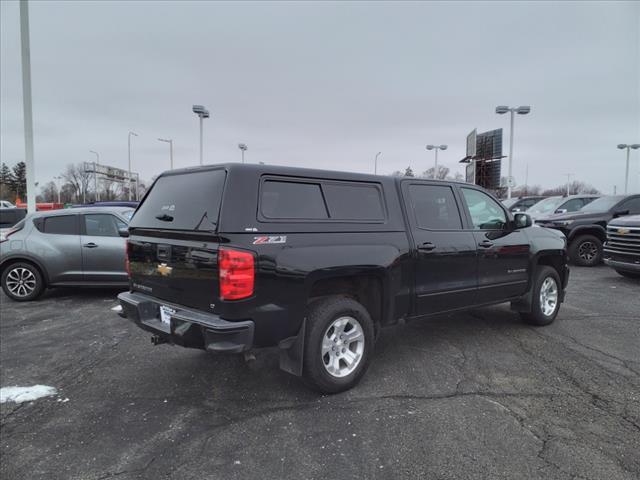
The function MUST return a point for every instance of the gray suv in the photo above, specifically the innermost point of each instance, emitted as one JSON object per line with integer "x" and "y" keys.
{"x": 79, "y": 247}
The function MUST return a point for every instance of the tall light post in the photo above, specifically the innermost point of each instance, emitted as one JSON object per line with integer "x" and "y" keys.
{"x": 95, "y": 173}
{"x": 628, "y": 148}
{"x": 57, "y": 179}
{"x": 129, "y": 157}
{"x": 202, "y": 114}
{"x": 170, "y": 142}
{"x": 436, "y": 148}
{"x": 375, "y": 163}
{"x": 521, "y": 110}
{"x": 568, "y": 183}
{"x": 27, "y": 106}
{"x": 243, "y": 148}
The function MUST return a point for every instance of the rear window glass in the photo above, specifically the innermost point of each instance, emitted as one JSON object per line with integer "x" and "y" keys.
{"x": 353, "y": 202}
{"x": 293, "y": 200}
{"x": 61, "y": 225}
{"x": 186, "y": 201}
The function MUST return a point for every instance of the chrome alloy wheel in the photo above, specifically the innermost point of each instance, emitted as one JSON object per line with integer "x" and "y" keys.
{"x": 21, "y": 282}
{"x": 548, "y": 296}
{"x": 342, "y": 346}
{"x": 587, "y": 251}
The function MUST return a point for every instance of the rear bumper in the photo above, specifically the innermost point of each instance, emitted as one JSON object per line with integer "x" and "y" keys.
{"x": 188, "y": 328}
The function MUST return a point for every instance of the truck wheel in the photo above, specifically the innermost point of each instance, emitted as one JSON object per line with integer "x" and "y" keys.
{"x": 586, "y": 250}
{"x": 545, "y": 298}
{"x": 338, "y": 344}
{"x": 22, "y": 282}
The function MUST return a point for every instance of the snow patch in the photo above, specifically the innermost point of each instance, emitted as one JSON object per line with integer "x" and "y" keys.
{"x": 25, "y": 394}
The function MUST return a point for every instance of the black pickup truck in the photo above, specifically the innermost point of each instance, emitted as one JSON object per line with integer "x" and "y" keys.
{"x": 232, "y": 257}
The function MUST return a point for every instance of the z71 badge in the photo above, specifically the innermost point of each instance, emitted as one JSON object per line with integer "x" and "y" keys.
{"x": 269, "y": 239}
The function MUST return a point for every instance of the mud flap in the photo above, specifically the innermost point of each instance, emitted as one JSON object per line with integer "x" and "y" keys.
{"x": 292, "y": 352}
{"x": 523, "y": 304}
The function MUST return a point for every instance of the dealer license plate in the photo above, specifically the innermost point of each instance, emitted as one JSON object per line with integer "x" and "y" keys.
{"x": 165, "y": 314}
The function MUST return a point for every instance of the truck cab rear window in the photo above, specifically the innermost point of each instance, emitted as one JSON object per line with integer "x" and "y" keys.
{"x": 183, "y": 201}
{"x": 320, "y": 201}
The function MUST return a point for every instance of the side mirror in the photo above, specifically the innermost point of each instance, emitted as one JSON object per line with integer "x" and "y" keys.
{"x": 561, "y": 210}
{"x": 522, "y": 220}
{"x": 123, "y": 232}
{"x": 620, "y": 213}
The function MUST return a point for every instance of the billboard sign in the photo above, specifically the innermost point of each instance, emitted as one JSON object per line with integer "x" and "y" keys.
{"x": 111, "y": 173}
{"x": 471, "y": 143}
{"x": 471, "y": 173}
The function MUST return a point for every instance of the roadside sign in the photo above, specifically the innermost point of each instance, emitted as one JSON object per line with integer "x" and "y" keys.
{"x": 471, "y": 143}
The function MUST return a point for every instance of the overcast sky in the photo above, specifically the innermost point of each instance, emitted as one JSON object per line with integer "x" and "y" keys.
{"x": 327, "y": 84}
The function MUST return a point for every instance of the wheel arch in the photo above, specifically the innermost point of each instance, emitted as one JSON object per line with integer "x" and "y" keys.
{"x": 366, "y": 286}
{"x": 596, "y": 230}
{"x": 25, "y": 259}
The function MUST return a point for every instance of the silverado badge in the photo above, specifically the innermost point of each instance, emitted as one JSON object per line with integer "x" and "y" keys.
{"x": 623, "y": 231}
{"x": 164, "y": 269}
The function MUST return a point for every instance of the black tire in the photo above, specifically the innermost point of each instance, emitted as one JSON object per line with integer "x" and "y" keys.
{"x": 537, "y": 316}
{"x": 586, "y": 250}
{"x": 32, "y": 278}
{"x": 321, "y": 315}
{"x": 629, "y": 274}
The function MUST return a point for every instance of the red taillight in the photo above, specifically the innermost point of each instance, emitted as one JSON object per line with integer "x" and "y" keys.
{"x": 237, "y": 274}
{"x": 127, "y": 265}
{"x": 5, "y": 236}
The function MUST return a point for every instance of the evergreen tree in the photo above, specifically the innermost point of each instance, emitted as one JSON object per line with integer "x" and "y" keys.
{"x": 19, "y": 180}
{"x": 408, "y": 172}
{"x": 6, "y": 182}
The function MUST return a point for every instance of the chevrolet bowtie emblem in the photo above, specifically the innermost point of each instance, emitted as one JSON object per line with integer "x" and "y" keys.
{"x": 623, "y": 231}
{"x": 164, "y": 269}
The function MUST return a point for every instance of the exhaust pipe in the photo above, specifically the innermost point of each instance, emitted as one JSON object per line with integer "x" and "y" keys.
{"x": 158, "y": 340}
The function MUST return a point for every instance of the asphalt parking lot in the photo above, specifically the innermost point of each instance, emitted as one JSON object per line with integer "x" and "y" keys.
{"x": 474, "y": 395}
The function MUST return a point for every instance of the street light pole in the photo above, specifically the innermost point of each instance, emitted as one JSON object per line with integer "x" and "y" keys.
{"x": 170, "y": 142}
{"x": 27, "y": 106}
{"x": 521, "y": 110}
{"x": 436, "y": 148}
{"x": 568, "y": 184}
{"x": 375, "y": 164}
{"x": 58, "y": 178}
{"x": 628, "y": 148}
{"x": 95, "y": 174}
{"x": 243, "y": 148}
{"x": 202, "y": 113}
{"x": 129, "y": 157}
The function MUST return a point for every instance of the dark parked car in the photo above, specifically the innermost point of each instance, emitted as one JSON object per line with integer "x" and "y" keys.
{"x": 231, "y": 257}
{"x": 82, "y": 247}
{"x": 622, "y": 250}
{"x": 520, "y": 204}
{"x": 586, "y": 229}
{"x": 10, "y": 216}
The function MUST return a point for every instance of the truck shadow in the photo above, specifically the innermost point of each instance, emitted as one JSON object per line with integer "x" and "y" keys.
{"x": 408, "y": 353}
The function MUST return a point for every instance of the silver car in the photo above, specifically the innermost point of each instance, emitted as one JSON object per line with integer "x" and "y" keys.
{"x": 74, "y": 247}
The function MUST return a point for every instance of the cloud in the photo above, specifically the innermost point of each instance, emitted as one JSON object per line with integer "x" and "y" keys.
{"x": 327, "y": 84}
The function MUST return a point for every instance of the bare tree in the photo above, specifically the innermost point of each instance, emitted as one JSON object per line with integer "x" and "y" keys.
{"x": 443, "y": 172}
{"x": 79, "y": 180}
{"x": 49, "y": 192}
{"x": 575, "y": 187}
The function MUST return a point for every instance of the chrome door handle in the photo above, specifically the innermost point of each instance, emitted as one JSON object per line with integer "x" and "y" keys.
{"x": 486, "y": 244}
{"x": 427, "y": 246}
{"x": 90, "y": 245}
